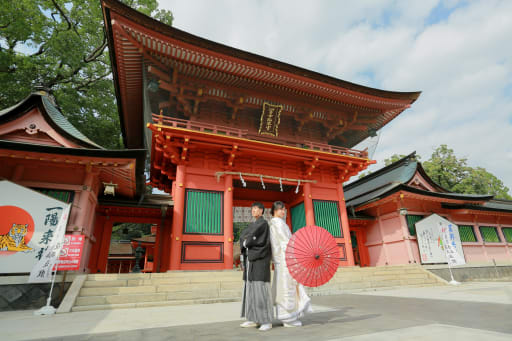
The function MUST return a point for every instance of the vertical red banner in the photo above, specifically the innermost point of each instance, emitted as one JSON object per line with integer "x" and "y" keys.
{"x": 71, "y": 252}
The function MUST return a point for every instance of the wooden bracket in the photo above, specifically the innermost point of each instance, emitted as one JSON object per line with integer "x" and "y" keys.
{"x": 231, "y": 156}
{"x": 312, "y": 166}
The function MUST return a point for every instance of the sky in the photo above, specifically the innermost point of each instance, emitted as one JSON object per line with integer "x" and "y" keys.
{"x": 458, "y": 53}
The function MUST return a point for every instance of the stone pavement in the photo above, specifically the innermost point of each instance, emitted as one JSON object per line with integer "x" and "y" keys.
{"x": 471, "y": 311}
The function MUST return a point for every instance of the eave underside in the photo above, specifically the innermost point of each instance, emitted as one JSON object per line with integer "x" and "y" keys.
{"x": 174, "y": 146}
{"x": 227, "y": 74}
{"x": 125, "y": 168}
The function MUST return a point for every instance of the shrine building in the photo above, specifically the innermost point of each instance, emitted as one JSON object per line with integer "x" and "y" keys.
{"x": 226, "y": 127}
{"x": 396, "y": 197}
{"x": 216, "y": 129}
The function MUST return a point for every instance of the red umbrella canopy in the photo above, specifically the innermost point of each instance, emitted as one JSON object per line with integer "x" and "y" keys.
{"x": 312, "y": 256}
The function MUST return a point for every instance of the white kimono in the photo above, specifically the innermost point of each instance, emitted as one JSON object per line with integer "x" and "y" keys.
{"x": 290, "y": 298}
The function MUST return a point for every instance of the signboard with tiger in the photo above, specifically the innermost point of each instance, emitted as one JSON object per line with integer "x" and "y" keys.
{"x": 28, "y": 221}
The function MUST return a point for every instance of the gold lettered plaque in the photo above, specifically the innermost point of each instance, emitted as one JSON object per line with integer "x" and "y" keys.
{"x": 270, "y": 118}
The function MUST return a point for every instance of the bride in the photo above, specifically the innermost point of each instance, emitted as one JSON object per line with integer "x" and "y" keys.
{"x": 290, "y": 298}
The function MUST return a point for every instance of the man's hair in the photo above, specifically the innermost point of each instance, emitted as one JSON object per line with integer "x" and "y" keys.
{"x": 259, "y": 205}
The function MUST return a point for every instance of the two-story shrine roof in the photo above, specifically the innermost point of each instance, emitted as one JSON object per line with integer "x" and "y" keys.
{"x": 135, "y": 39}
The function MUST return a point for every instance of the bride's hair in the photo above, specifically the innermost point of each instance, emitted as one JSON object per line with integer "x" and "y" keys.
{"x": 275, "y": 206}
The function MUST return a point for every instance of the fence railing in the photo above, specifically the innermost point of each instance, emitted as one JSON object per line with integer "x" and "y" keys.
{"x": 243, "y": 133}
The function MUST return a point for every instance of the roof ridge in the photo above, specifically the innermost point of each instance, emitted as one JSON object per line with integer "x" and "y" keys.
{"x": 53, "y": 110}
{"x": 381, "y": 171}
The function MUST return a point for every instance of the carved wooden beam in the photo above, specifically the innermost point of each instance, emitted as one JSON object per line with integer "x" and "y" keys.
{"x": 184, "y": 150}
{"x": 312, "y": 166}
{"x": 231, "y": 156}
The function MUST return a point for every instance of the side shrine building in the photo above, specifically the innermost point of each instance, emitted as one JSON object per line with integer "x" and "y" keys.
{"x": 396, "y": 197}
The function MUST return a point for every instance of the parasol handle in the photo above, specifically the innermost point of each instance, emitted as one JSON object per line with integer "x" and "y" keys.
{"x": 317, "y": 256}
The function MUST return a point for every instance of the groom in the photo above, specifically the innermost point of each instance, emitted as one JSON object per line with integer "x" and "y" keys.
{"x": 256, "y": 251}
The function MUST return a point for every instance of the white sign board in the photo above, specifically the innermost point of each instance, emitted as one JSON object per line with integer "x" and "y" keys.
{"x": 437, "y": 238}
{"x": 28, "y": 224}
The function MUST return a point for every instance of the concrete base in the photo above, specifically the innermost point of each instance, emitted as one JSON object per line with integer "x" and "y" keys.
{"x": 71, "y": 295}
{"x": 470, "y": 272}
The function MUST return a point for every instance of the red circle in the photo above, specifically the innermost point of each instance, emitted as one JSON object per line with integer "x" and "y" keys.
{"x": 10, "y": 215}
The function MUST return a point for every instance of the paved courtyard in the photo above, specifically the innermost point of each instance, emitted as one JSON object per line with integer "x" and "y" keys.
{"x": 471, "y": 311}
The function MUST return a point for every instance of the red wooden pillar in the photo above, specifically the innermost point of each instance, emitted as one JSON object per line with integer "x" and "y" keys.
{"x": 345, "y": 225}
{"x": 96, "y": 244}
{"x": 289, "y": 217}
{"x": 228, "y": 222}
{"x": 165, "y": 237}
{"x": 177, "y": 219}
{"x": 308, "y": 205}
{"x": 157, "y": 250}
{"x": 363, "y": 249}
{"x": 105, "y": 246}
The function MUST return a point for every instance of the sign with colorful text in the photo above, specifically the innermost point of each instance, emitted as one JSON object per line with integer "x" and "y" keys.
{"x": 28, "y": 224}
{"x": 71, "y": 252}
{"x": 270, "y": 119}
{"x": 439, "y": 241}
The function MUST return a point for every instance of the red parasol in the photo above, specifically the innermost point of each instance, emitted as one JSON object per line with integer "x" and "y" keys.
{"x": 312, "y": 256}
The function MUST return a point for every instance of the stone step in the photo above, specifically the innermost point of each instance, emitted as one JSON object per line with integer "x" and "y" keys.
{"x": 157, "y": 297}
{"x": 106, "y": 283}
{"x": 169, "y": 276}
{"x": 153, "y": 304}
{"x": 188, "y": 287}
{"x": 115, "y": 299}
{"x": 117, "y": 291}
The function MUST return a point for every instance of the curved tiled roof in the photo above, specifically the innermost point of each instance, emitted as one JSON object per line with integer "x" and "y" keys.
{"x": 64, "y": 124}
{"x": 395, "y": 177}
{"x": 53, "y": 116}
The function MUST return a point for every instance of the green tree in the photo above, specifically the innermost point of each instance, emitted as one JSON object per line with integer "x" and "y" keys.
{"x": 455, "y": 175}
{"x": 61, "y": 45}
{"x": 396, "y": 157}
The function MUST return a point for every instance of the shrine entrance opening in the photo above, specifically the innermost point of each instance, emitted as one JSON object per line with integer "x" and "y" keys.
{"x": 119, "y": 230}
{"x": 266, "y": 192}
{"x": 124, "y": 240}
{"x": 324, "y": 213}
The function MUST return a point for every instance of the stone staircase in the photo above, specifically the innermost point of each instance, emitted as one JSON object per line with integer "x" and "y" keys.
{"x": 356, "y": 279}
{"x": 114, "y": 291}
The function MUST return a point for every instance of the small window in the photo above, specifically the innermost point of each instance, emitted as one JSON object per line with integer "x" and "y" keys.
{"x": 467, "y": 233}
{"x": 66, "y": 196}
{"x": 327, "y": 216}
{"x": 489, "y": 234}
{"x": 411, "y": 220}
{"x": 203, "y": 213}
{"x": 507, "y": 232}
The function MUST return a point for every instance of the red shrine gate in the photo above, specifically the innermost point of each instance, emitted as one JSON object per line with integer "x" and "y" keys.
{"x": 204, "y": 172}
{"x": 235, "y": 128}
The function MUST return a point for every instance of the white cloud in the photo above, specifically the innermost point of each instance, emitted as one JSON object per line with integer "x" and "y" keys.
{"x": 457, "y": 53}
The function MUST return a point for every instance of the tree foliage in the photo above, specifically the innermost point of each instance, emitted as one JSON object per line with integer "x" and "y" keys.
{"x": 454, "y": 174}
{"x": 396, "y": 157}
{"x": 128, "y": 231}
{"x": 61, "y": 45}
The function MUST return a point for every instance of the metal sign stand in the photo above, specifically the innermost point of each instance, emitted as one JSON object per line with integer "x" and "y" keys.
{"x": 48, "y": 309}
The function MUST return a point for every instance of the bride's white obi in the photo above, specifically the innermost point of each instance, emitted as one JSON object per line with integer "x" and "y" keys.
{"x": 289, "y": 297}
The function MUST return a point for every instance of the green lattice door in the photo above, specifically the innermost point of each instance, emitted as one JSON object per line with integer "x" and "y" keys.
{"x": 203, "y": 213}
{"x": 327, "y": 215}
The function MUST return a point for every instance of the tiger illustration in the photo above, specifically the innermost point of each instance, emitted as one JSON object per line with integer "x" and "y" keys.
{"x": 15, "y": 239}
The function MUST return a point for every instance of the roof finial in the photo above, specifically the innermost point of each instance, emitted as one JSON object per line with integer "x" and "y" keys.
{"x": 44, "y": 90}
